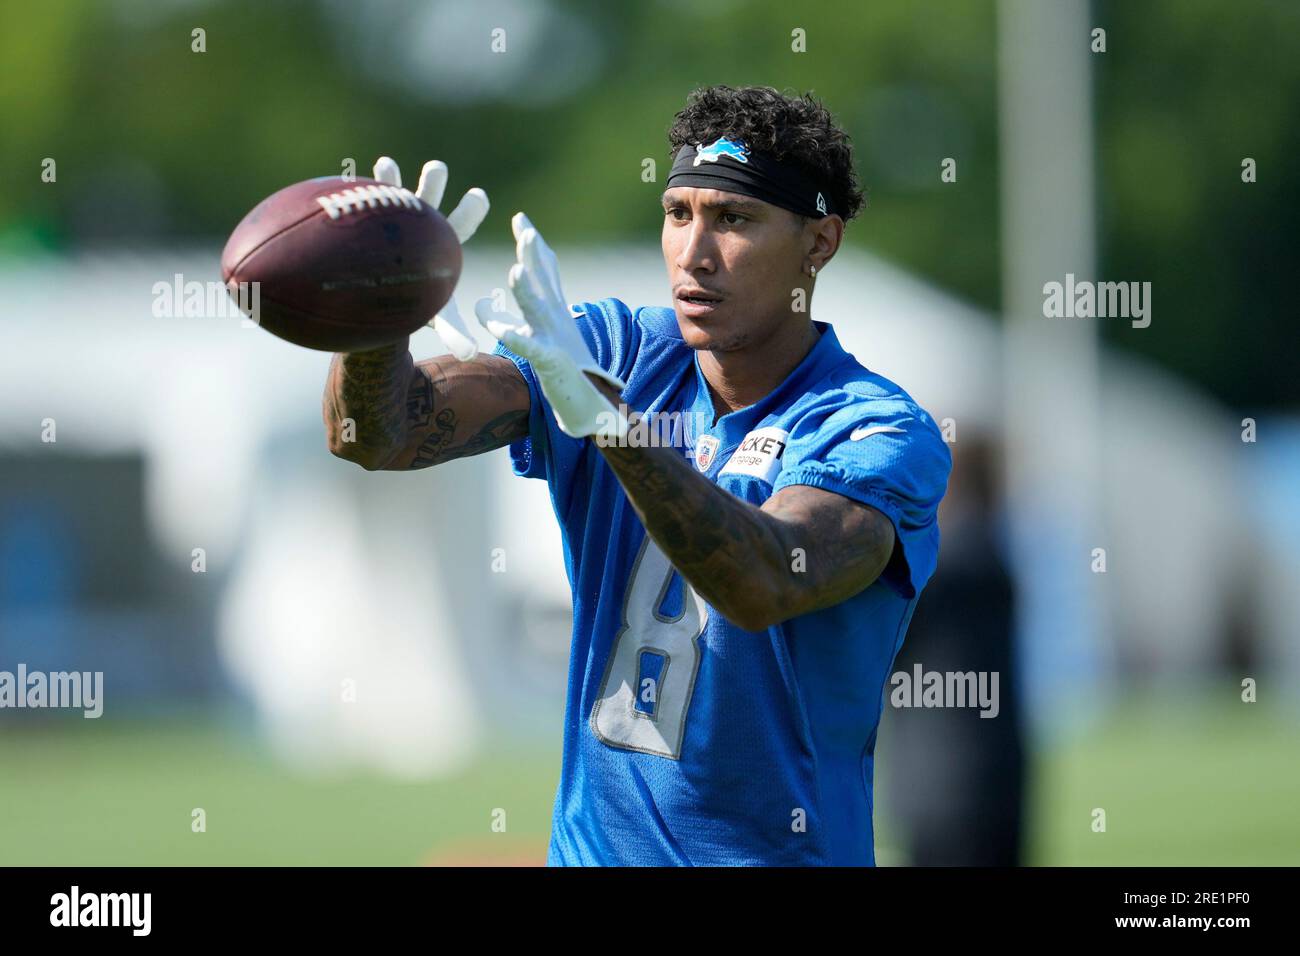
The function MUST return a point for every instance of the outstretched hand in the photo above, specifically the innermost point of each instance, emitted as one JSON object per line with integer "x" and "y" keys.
{"x": 548, "y": 337}
{"x": 464, "y": 221}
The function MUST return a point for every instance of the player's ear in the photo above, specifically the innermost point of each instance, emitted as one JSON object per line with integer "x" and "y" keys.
{"x": 824, "y": 239}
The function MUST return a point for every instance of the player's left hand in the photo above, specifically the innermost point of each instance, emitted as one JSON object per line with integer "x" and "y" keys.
{"x": 464, "y": 221}
{"x": 549, "y": 339}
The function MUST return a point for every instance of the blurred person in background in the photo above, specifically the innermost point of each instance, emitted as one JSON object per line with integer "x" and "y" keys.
{"x": 957, "y": 779}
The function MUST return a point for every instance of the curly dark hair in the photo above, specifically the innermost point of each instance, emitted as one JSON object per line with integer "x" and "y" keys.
{"x": 797, "y": 129}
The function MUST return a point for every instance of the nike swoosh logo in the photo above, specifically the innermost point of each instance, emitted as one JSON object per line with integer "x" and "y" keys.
{"x": 861, "y": 432}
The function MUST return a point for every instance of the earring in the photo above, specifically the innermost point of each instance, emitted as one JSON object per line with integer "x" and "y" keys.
{"x": 812, "y": 270}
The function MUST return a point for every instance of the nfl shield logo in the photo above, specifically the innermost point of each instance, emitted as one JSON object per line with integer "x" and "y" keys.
{"x": 705, "y": 449}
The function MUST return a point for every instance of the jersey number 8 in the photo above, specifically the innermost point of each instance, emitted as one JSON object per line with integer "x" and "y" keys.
{"x": 652, "y": 666}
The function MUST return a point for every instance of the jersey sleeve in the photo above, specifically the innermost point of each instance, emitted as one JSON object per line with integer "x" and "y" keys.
{"x": 547, "y": 452}
{"x": 889, "y": 455}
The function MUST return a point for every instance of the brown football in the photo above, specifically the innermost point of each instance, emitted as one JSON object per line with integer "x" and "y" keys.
{"x": 341, "y": 265}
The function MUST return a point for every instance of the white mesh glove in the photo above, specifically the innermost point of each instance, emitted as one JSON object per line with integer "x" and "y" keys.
{"x": 464, "y": 221}
{"x": 549, "y": 339}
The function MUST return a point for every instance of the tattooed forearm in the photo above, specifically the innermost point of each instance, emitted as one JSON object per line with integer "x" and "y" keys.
{"x": 725, "y": 547}
{"x": 458, "y": 409}
{"x": 838, "y": 546}
{"x": 409, "y": 416}
{"x": 439, "y": 446}
{"x": 363, "y": 405}
{"x": 419, "y": 400}
{"x": 805, "y": 549}
{"x": 432, "y": 449}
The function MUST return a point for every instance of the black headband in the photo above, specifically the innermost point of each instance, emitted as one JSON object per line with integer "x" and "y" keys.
{"x": 732, "y": 166}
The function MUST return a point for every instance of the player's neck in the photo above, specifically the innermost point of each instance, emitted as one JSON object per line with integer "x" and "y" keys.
{"x": 739, "y": 378}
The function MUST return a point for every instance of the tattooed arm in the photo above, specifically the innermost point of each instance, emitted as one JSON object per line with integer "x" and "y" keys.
{"x": 741, "y": 558}
{"x": 408, "y": 415}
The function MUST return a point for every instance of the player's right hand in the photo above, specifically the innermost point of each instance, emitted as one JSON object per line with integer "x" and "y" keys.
{"x": 464, "y": 221}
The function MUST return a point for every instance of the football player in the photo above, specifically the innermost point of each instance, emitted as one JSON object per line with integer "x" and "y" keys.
{"x": 741, "y": 589}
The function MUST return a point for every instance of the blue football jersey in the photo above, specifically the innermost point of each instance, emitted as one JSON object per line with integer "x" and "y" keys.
{"x": 689, "y": 740}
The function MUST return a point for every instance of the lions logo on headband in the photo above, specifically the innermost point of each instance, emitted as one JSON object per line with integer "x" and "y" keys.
{"x": 719, "y": 148}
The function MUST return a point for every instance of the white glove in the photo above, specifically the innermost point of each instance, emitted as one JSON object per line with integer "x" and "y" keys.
{"x": 549, "y": 339}
{"x": 464, "y": 221}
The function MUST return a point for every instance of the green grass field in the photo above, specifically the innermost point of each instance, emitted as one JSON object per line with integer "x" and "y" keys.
{"x": 94, "y": 793}
{"x": 1204, "y": 786}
